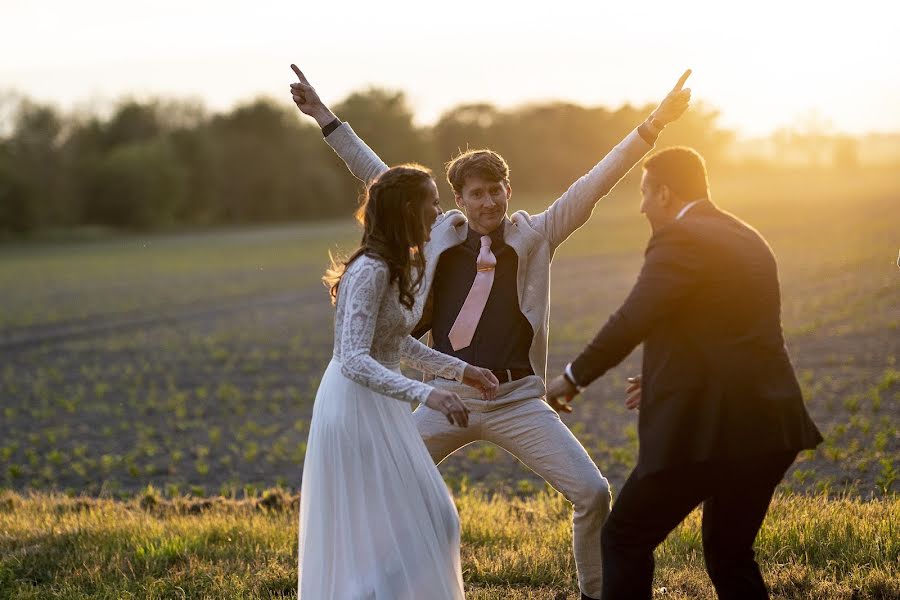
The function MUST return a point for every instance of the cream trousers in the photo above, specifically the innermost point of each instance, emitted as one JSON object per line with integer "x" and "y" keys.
{"x": 532, "y": 432}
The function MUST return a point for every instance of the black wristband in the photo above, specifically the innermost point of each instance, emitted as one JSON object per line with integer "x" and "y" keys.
{"x": 647, "y": 135}
{"x": 332, "y": 125}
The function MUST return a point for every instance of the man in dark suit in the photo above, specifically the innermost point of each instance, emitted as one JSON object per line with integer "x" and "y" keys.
{"x": 721, "y": 413}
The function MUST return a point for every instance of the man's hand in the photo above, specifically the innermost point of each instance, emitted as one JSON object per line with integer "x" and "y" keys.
{"x": 559, "y": 393}
{"x": 674, "y": 105}
{"x": 308, "y": 101}
{"x": 482, "y": 380}
{"x": 634, "y": 389}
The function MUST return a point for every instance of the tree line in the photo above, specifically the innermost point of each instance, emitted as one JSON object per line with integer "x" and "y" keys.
{"x": 157, "y": 163}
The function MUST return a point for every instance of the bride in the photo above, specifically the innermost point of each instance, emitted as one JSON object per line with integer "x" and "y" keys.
{"x": 376, "y": 519}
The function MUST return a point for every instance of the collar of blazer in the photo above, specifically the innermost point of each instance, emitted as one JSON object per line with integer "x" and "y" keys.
{"x": 703, "y": 206}
{"x": 451, "y": 228}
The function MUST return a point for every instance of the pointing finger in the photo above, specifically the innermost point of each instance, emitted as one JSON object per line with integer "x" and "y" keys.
{"x": 299, "y": 73}
{"x": 678, "y": 85}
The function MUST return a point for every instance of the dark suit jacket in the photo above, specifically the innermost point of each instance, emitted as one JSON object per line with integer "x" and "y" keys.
{"x": 717, "y": 382}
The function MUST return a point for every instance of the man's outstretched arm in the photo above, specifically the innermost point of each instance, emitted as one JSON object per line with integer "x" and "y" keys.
{"x": 671, "y": 273}
{"x": 361, "y": 160}
{"x": 573, "y": 209}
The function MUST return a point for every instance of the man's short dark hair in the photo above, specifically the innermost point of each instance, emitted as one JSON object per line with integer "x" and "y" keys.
{"x": 680, "y": 168}
{"x": 481, "y": 163}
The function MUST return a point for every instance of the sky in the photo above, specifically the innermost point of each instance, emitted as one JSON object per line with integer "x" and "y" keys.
{"x": 763, "y": 65}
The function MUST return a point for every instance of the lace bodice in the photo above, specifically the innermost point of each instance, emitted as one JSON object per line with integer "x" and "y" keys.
{"x": 372, "y": 334}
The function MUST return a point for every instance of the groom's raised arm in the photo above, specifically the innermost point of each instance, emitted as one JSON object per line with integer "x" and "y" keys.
{"x": 361, "y": 160}
{"x": 573, "y": 209}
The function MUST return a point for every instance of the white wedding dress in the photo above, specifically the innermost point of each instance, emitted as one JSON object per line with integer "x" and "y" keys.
{"x": 376, "y": 520}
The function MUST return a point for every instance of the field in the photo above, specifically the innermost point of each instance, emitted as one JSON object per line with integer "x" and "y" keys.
{"x": 149, "y": 547}
{"x": 189, "y": 361}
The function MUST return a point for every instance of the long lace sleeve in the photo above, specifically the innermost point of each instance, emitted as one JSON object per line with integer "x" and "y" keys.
{"x": 428, "y": 360}
{"x": 364, "y": 288}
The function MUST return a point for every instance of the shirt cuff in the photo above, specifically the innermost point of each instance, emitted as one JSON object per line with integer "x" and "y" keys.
{"x": 332, "y": 125}
{"x": 571, "y": 377}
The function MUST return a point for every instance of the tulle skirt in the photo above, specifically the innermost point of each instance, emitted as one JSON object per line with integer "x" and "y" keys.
{"x": 376, "y": 520}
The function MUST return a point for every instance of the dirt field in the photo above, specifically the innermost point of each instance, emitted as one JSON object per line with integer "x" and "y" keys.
{"x": 190, "y": 360}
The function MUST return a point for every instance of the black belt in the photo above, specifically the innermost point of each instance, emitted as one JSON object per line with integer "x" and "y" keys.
{"x": 507, "y": 375}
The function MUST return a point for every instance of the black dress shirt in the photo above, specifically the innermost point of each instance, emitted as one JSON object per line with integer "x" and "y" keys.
{"x": 503, "y": 336}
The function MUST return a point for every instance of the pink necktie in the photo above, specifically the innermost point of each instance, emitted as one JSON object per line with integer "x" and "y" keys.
{"x": 464, "y": 328}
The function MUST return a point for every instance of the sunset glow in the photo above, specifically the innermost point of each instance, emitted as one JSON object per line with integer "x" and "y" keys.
{"x": 764, "y": 67}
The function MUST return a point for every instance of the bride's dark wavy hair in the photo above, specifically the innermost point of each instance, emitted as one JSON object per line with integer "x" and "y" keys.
{"x": 394, "y": 229}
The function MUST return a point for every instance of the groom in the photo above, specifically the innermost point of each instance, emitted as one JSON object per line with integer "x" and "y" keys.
{"x": 721, "y": 414}
{"x": 489, "y": 281}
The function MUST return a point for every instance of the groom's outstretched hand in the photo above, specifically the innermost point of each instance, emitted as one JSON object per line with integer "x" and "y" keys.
{"x": 482, "y": 380}
{"x": 559, "y": 393}
{"x": 307, "y": 99}
{"x": 675, "y": 103}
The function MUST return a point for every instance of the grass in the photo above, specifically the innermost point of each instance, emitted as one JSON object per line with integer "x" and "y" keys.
{"x": 189, "y": 361}
{"x": 53, "y": 546}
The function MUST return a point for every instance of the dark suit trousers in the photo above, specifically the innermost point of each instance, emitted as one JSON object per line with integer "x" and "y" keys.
{"x": 735, "y": 497}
